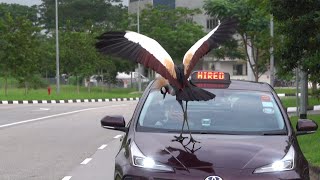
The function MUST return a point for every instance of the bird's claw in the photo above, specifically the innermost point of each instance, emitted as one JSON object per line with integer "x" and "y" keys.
{"x": 179, "y": 138}
{"x": 193, "y": 141}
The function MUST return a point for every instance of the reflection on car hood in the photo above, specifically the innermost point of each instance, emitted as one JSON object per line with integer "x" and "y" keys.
{"x": 213, "y": 151}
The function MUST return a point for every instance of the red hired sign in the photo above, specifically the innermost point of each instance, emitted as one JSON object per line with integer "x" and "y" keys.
{"x": 210, "y": 75}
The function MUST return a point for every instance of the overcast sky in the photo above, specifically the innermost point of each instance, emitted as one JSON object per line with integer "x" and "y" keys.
{"x": 35, "y": 2}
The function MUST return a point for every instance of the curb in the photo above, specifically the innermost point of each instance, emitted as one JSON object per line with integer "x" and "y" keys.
{"x": 289, "y": 109}
{"x": 289, "y": 94}
{"x": 309, "y": 108}
{"x": 67, "y": 101}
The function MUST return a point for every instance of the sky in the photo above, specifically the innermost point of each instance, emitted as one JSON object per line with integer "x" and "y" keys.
{"x": 35, "y": 2}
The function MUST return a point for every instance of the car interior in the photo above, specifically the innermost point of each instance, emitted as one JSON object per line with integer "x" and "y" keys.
{"x": 235, "y": 112}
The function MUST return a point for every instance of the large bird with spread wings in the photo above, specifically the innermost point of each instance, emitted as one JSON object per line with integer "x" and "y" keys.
{"x": 148, "y": 52}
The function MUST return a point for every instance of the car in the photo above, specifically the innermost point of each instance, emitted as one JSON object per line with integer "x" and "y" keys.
{"x": 243, "y": 133}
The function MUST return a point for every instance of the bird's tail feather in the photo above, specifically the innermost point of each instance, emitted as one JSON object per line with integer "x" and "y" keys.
{"x": 194, "y": 93}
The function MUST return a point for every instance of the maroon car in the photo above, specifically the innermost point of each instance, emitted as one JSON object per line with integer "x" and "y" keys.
{"x": 243, "y": 133}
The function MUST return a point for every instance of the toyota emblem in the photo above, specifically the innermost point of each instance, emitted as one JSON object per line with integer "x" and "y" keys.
{"x": 213, "y": 178}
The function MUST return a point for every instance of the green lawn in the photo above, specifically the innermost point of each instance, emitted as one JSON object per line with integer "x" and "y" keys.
{"x": 287, "y": 90}
{"x": 68, "y": 92}
{"x": 310, "y": 144}
{"x": 292, "y": 102}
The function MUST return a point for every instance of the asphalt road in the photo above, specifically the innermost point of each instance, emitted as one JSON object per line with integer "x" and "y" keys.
{"x": 59, "y": 141}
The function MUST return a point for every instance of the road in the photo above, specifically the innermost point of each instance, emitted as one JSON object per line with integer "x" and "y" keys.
{"x": 59, "y": 141}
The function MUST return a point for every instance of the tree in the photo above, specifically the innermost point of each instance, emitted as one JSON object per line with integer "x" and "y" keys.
{"x": 300, "y": 28}
{"x": 174, "y": 28}
{"x": 80, "y": 21}
{"x": 253, "y": 29}
{"x": 80, "y": 15}
{"x": 17, "y": 10}
{"x": 47, "y": 56}
{"x": 18, "y": 54}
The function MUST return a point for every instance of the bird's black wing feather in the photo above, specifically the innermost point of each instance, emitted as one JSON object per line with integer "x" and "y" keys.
{"x": 139, "y": 49}
{"x": 212, "y": 40}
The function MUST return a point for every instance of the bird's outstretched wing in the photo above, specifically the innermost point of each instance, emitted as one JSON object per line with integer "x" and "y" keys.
{"x": 140, "y": 49}
{"x": 212, "y": 40}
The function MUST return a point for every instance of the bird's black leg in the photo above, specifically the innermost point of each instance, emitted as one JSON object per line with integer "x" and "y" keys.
{"x": 180, "y": 138}
{"x": 186, "y": 119}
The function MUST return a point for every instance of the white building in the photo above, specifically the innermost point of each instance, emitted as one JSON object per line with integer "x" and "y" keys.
{"x": 238, "y": 69}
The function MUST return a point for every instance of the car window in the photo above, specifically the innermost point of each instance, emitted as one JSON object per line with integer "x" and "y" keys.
{"x": 231, "y": 112}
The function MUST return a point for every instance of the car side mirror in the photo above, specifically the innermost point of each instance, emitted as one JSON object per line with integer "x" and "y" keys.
{"x": 306, "y": 126}
{"x": 114, "y": 123}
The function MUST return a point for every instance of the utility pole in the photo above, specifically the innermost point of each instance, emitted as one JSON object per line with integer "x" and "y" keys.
{"x": 57, "y": 51}
{"x": 138, "y": 29}
{"x": 297, "y": 90}
{"x": 271, "y": 53}
{"x": 304, "y": 94}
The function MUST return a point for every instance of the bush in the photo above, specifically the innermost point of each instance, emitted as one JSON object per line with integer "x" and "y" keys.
{"x": 35, "y": 82}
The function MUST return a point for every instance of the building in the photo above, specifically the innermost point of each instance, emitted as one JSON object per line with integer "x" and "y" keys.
{"x": 238, "y": 69}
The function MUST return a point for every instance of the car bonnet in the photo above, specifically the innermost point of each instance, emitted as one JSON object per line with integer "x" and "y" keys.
{"x": 213, "y": 151}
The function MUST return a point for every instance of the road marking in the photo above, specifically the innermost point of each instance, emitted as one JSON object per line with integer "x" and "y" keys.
{"x": 45, "y": 109}
{"x": 42, "y": 109}
{"x": 103, "y": 146}
{"x": 86, "y": 161}
{"x": 117, "y": 136}
{"x": 67, "y": 178}
{"x": 56, "y": 115}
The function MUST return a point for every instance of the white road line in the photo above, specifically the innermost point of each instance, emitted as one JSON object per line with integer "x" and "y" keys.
{"x": 42, "y": 109}
{"x": 45, "y": 109}
{"x": 103, "y": 146}
{"x": 56, "y": 115}
{"x": 117, "y": 136}
{"x": 86, "y": 161}
{"x": 67, "y": 178}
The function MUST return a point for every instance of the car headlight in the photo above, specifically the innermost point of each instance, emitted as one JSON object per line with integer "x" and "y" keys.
{"x": 140, "y": 160}
{"x": 285, "y": 164}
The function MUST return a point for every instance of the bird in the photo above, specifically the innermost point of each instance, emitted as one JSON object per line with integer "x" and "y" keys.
{"x": 139, "y": 48}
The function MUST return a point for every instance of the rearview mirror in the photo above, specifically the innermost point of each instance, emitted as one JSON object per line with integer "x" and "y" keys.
{"x": 306, "y": 126}
{"x": 114, "y": 123}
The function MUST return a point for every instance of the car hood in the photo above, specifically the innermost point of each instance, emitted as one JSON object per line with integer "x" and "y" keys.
{"x": 213, "y": 151}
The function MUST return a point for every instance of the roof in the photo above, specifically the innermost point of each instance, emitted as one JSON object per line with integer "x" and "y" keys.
{"x": 249, "y": 85}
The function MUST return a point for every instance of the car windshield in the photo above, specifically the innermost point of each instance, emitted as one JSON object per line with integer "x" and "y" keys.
{"x": 231, "y": 112}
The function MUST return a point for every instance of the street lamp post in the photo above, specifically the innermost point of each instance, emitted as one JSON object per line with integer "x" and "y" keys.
{"x": 57, "y": 51}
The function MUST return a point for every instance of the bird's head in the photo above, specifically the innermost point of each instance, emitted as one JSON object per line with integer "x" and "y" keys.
{"x": 167, "y": 89}
{"x": 164, "y": 86}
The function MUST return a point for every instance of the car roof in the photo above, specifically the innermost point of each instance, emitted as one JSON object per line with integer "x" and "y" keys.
{"x": 244, "y": 85}
{"x": 249, "y": 85}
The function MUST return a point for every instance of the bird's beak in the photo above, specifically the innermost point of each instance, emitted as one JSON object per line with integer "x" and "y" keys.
{"x": 164, "y": 91}
{"x": 171, "y": 90}
{"x": 167, "y": 89}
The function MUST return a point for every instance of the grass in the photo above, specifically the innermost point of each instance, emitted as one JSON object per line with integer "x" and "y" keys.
{"x": 310, "y": 144}
{"x": 68, "y": 92}
{"x": 292, "y": 102}
{"x": 287, "y": 90}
